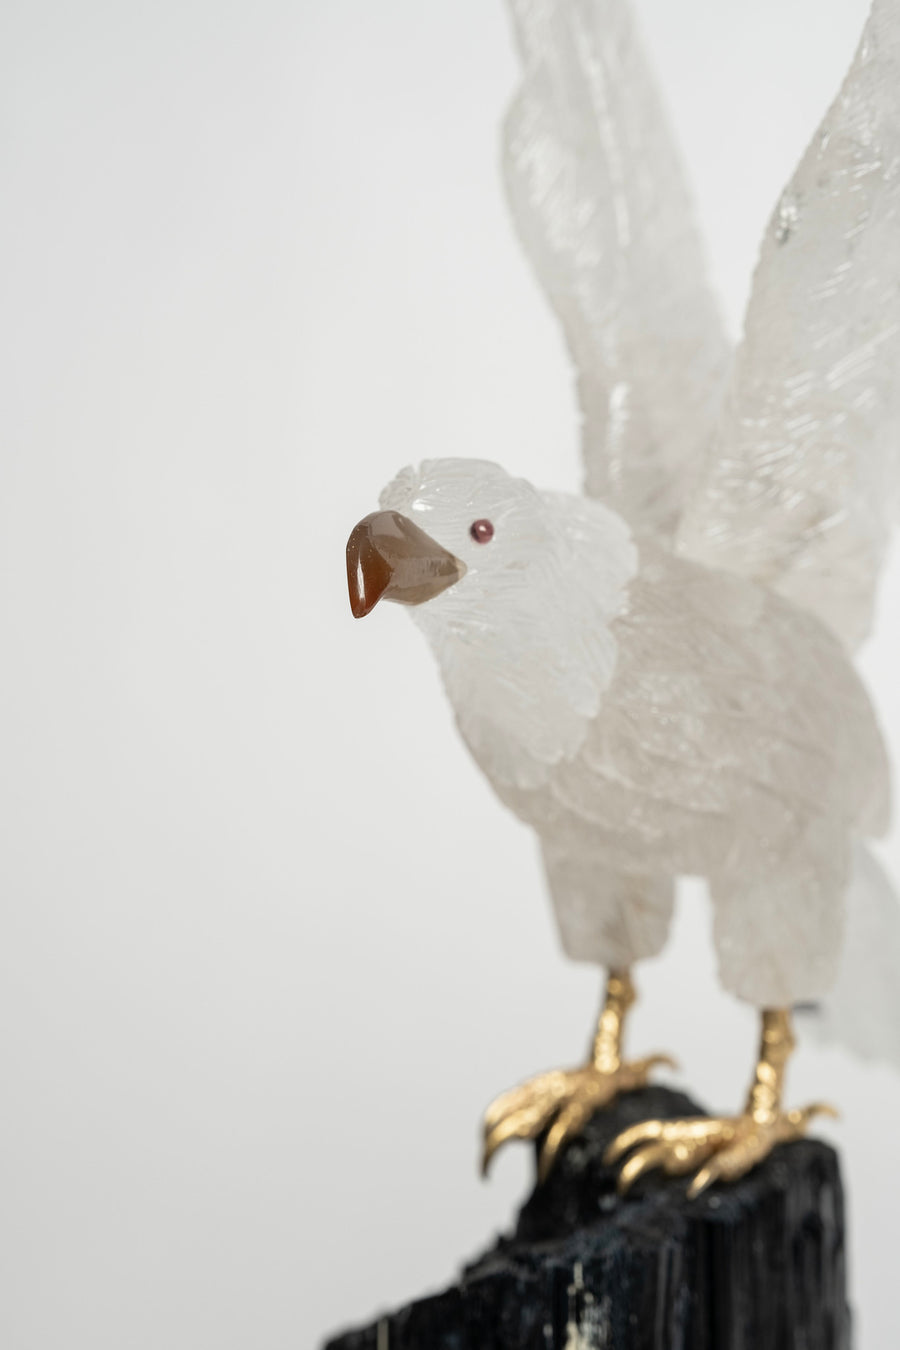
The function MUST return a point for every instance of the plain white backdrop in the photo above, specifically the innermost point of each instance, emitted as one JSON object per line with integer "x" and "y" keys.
{"x": 269, "y": 944}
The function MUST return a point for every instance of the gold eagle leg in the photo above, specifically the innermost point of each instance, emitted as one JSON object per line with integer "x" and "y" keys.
{"x": 723, "y": 1148}
{"x": 561, "y": 1102}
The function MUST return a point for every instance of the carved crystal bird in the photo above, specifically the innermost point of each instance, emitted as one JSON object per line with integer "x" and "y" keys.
{"x": 658, "y": 675}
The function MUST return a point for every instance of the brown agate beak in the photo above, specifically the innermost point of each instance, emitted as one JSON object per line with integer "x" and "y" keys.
{"x": 390, "y": 558}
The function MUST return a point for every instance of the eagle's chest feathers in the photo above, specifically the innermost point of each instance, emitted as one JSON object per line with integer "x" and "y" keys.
{"x": 527, "y": 672}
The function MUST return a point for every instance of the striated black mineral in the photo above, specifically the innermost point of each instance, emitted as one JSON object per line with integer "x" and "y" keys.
{"x": 755, "y": 1265}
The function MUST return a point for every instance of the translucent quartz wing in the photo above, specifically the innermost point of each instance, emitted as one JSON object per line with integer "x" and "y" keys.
{"x": 804, "y": 475}
{"x": 599, "y": 200}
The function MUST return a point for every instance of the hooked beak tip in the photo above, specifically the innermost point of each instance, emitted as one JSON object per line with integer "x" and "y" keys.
{"x": 389, "y": 556}
{"x": 368, "y": 573}
{"x": 359, "y": 605}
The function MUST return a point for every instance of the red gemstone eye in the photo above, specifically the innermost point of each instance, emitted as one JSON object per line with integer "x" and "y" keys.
{"x": 481, "y": 531}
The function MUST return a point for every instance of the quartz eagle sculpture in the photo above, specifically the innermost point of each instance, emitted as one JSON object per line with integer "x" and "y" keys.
{"x": 657, "y": 675}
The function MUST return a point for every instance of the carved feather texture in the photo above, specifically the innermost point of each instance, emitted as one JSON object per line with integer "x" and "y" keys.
{"x": 735, "y": 742}
{"x": 523, "y": 640}
{"x": 675, "y": 695}
{"x": 804, "y": 473}
{"x": 599, "y": 200}
{"x": 651, "y": 717}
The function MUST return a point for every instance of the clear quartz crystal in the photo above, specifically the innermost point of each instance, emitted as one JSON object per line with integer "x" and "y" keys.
{"x": 652, "y": 717}
{"x": 661, "y": 682}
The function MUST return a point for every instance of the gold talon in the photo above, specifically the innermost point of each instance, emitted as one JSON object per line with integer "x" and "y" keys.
{"x": 674, "y": 1145}
{"x": 649, "y": 1062}
{"x": 704, "y": 1178}
{"x": 642, "y": 1133}
{"x": 804, "y": 1114}
{"x": 524, "y": 1122}
{"x": 653, "y": 1155}
{"x": 547, "y": 1157}
{"x": 548, "y": 1086}
{"x": 723, "y": 1148}
{"x": 565, "y": 1099}
{"x": 570, "y": 1121}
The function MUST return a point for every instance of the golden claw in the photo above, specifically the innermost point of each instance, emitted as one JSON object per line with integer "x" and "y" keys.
{"x": 715, "y": 1148}
{"x": 560, "y": 1102}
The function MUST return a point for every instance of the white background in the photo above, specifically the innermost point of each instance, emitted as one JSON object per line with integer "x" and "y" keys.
{"x": 269, "y": 944}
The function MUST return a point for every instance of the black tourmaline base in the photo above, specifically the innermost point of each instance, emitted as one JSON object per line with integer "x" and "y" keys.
{"x": 756, "y": 1265}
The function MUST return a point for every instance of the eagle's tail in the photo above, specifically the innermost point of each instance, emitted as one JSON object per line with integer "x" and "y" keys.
{"x": 862, "y": 1011}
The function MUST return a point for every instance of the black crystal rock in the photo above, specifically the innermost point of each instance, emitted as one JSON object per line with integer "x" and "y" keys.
{"x": 755, "y": 1265}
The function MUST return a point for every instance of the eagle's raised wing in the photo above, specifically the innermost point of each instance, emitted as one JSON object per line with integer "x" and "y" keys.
{"x": 599, "y": 200}
{"x": 804, "y": 474}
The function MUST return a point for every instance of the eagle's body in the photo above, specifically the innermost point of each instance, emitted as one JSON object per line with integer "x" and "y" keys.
{"x": 736, "y": 743}
{"x": 653, "y": 717}
{"x": 733, "y": 721}
{"x": 658, "y": 675}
